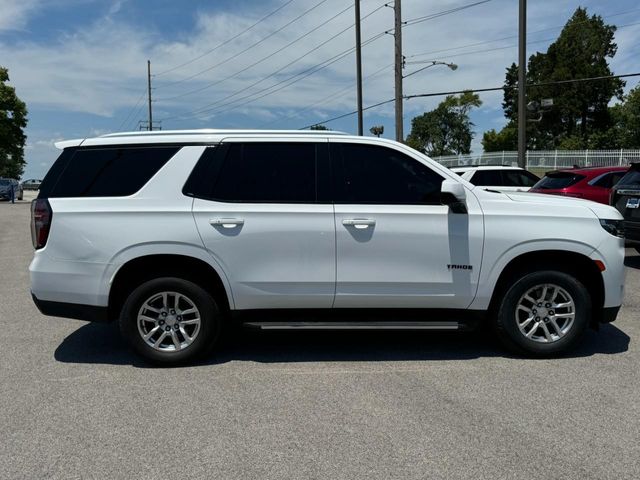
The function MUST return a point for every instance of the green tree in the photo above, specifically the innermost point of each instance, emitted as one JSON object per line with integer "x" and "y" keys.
{"x": 13, "y": 120}
{"x": 505, "y": 139}
{"x": 580, "y": 109}
{"x": 626, "y": 117}
{"x": 447, "y": 129}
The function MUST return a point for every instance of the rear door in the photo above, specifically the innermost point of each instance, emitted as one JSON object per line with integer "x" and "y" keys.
{"x": 265, "y": 216}
{"x": 397, "y": 245}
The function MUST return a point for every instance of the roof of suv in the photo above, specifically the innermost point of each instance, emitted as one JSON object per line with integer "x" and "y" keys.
{"x": 180, "y": 136}
{"x": 484, "y": 167}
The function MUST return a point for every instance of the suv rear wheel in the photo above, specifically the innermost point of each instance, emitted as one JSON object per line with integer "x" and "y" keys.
{"x": 543, "y": 314}
{"x": 170, "y": 320}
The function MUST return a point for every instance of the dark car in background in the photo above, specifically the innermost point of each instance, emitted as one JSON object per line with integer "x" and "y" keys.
{"x": 625, "y": 196}
{"x": 31, "y": 184}
{"x": 5, "y": 189}
{"x": 590, "y": 183}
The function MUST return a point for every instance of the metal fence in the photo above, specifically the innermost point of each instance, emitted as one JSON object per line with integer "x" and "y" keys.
{"x": 551, "y": 159}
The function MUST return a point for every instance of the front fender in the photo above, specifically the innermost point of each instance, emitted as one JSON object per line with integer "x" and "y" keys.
{"x": 493, "y": 266}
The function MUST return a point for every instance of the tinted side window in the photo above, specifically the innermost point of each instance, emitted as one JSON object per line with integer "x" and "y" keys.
{"x": 109, "y": 172}
{"x": 558, "y": 180}
{"x": 518, "y": 178}
{"x": 632, "y": 177}
{"x": 615, "y": 178}
{"x": 268, "y": 172}
{"x": 487, "y": 178}
{"x": 54, "y": 172}
{"x": 379, "y": 175}
{"x": 609, "y": 180}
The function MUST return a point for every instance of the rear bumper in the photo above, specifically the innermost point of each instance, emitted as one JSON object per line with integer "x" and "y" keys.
{"x": 90, "y": 313}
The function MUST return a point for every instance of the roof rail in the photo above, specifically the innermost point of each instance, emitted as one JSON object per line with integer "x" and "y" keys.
{"x": 211, "y": 131}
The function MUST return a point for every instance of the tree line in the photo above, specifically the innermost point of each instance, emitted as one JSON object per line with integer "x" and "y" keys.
{"x": 592, "y": 114}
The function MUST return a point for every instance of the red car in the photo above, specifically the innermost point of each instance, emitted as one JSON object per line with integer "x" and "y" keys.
{"x": 592, "y": 183}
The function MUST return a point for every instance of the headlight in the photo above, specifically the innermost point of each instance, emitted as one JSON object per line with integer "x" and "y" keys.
{"x": 614, "y": 227}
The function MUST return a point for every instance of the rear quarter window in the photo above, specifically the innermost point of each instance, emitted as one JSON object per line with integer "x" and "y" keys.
{"x": 632, "y": 177}
{"x": 104, "y": 172}
{"x": 558, "y": 180}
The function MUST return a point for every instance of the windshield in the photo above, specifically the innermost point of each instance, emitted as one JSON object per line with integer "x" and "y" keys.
{"x": 558, "y": 180}
{"x": 4, "y": 182}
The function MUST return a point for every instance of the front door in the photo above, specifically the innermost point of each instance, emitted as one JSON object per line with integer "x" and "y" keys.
{"x": 264, "y": 221}
{"x": 397, "y": 245}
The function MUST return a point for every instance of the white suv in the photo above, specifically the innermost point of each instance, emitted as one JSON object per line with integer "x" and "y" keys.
{"x": 176, "y": 234}
{"x": 503, "y": 178}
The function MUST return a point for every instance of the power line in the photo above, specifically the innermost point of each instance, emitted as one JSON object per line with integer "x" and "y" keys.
{"x": 336, "y": 94}
{"x": 253, "y": 45}
{"x": 433, "y": 52}
{"x": 474, "y": 52}
{"x": 134, "y": 108}
{"x": 136, "y": 113}
{"x": 234, "y": 75}
{"x": 304, "y": 74}
{"x": 479, "y": 90}
{"x": 219, "y": 103}
{"x": 424, "y": 18}
{"x": 229, "y": 40}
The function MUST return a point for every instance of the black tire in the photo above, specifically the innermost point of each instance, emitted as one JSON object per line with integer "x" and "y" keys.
{"x": 505, "y": 322}
{"x": 210, "y": 320}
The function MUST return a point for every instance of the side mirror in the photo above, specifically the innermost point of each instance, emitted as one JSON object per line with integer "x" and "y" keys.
{"x": 452, "y": 193}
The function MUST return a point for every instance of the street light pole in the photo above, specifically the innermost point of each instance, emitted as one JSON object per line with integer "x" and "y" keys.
{"x": 522, "y": 80}
{"x": 399, "y": 60}
{"x": 359, "y": 68}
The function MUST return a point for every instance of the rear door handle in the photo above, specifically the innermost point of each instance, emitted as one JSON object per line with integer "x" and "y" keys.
{"x": 227, "y": 222}
{"x": 358, "y": 222}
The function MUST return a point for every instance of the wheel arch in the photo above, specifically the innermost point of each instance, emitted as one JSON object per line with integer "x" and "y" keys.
{"x": 137, "y": 270}
{"x": 576, "y": 264}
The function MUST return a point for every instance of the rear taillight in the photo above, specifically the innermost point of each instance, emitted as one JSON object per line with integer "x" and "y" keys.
{"x": 40, "y": 222}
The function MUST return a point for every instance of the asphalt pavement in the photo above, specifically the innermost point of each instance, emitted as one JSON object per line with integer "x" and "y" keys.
{"x": 76, "y": 403}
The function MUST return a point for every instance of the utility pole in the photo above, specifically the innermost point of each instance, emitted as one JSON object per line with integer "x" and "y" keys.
{"x": 399, "y": 61}
{"x": 149, "y": 88}
{"x": 522, "y": 81}
{"x": 359, "y": 67}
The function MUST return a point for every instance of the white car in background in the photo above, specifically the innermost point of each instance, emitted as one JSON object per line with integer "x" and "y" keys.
{"x": 503, "y": 178}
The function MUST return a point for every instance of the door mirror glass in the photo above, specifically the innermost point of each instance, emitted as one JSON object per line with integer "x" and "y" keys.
{"x": 453, "y": 194}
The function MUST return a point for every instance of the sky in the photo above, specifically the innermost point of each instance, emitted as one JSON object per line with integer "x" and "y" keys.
{"x": 81, "y": 65}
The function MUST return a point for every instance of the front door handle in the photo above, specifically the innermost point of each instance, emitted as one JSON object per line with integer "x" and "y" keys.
{"x": 358, "y": 222}
{"x": 227, "y": 222}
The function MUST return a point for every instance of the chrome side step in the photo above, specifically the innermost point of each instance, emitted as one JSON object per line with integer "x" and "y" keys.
{"x": 397, "y": 325}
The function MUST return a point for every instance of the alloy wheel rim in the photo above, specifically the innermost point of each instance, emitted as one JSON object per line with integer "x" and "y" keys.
{"x": 169, "y": 321}
{"x": 545, "y": 313}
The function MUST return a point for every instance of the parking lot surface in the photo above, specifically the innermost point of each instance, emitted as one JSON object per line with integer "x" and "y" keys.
{"x": 76, "y": 403}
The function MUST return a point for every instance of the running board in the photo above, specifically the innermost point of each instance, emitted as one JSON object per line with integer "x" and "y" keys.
{"x": 398, "y": 325}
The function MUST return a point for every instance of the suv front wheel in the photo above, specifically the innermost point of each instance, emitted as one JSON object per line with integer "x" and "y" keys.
{"x": 170, "y": 320}
{"x": 543, "y": 314}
